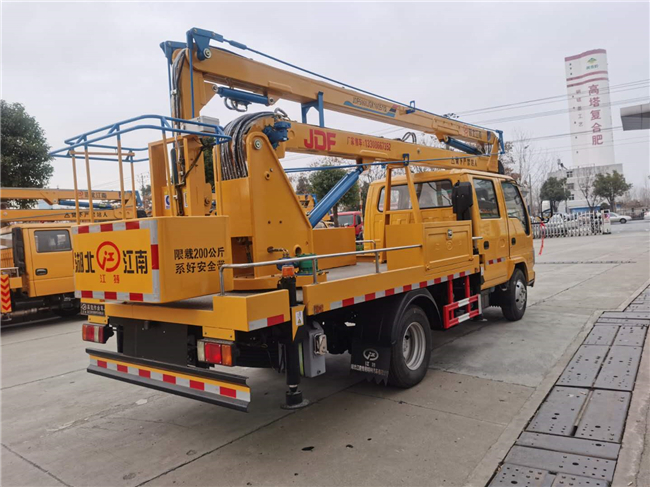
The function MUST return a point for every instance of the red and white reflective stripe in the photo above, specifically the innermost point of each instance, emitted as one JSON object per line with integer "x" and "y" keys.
{"x": 152, "y": 226}
{"x": 196, "y": 383}
{"x": 266, "y": 322}
{"x": 448, "y": 321}
{"x": 496, "y": 261}
{"x": 396, "y": 290}
{"x": 465, "y": 317}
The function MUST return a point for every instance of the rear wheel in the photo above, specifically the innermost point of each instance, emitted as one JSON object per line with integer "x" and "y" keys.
{"x": 411, "y": 351}
{"x": 623, "y": 220}
{"x": 515, "y": 297}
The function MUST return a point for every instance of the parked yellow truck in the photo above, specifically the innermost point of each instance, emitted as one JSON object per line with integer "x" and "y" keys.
{"x": 36, "y": 275}
{"x": 37, "y": 270}
{"x": 192, "y": 295}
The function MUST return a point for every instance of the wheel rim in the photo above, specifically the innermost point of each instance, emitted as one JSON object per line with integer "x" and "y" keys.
{"x": 520, "y": 295}
{"x": 414, "y": 345}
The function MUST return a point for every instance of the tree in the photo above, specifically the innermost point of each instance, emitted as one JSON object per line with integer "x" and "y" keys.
{"x": 611, "y": 186}
{"x": 24, "y": 151}
{"x": 324, "y": 180}
{"x": 586, "y": 178}
{"x": 303, "y": 186}
{"x": 554, "y": 190}
{"x": 528, "y": 165}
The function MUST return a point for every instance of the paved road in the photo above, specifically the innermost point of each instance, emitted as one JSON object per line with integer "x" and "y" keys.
{"x": 62, "y": 426}
{"x": 631, "y": 226}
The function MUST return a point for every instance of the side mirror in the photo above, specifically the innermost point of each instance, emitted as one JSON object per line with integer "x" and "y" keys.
{"x": 462, "y": 199}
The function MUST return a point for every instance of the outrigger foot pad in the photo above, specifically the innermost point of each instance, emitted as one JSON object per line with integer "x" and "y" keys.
{"x": 294, "y": 400}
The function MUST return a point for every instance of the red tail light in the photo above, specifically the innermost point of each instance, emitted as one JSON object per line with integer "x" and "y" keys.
{"x": 217, "y": 352}
{"x": 96, "y": 333}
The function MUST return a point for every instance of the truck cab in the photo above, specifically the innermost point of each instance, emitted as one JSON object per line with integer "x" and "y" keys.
{"x": 501, "y": 230}
{"x": 352, "y": 219}
{"x": 38, "y": 260}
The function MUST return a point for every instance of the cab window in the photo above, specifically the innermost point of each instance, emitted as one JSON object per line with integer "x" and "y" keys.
{"x": 431, "y": 194}
{"x": 488, "y": 205}
{"x": 515, "y": 204}
{"x": 52, "y": 240}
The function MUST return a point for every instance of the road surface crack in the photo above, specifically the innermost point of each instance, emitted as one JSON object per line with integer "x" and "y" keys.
{"x": 36, "y": 466}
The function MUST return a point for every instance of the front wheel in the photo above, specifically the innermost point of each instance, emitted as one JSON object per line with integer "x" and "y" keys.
{"x": 411, "y": 351}
{"x": 623, "y": 220}
{"x": 515, "y": 297}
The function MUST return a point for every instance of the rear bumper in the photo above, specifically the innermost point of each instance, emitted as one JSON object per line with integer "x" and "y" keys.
{"x": 217, "y": 388}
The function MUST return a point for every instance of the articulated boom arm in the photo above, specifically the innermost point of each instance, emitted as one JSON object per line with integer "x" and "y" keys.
{"x": 245, "y": 81}
{"x": 55, "y": 196}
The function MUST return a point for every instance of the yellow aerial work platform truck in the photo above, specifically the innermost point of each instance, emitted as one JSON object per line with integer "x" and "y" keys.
{"x": 253, "y": 283}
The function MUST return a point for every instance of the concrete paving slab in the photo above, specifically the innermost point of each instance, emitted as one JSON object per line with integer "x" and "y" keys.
{"x": 351, "y": 440}
{"x": 604, "y": 416}
{"x": 622, "y": 321}
{"x": 632, "y": 336}
{"x": 600, "y": 449}
{"x": 566, "y": 463}
{"x": 626, "y": 314}
{"x": 509, "y": 475}
{"x": 564, "y": 480}
{"x": 602, "y": 335}
{"x": 619, "y": 369}
{"x": 464, "y": 395}
{"x": 17, "y": 472}
{"x": 584, "y": 366}
{"x": 559, "y": 412}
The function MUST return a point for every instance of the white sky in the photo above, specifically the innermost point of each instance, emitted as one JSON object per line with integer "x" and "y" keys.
{"x": 79, "y": 66}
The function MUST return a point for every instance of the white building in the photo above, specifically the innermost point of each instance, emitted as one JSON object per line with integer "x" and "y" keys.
{"x": 577, "y": 180}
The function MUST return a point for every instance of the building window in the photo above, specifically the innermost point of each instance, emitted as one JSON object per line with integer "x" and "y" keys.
{"x": 569, "y": 174}
{"x": 569, "y": 186}
{"x": 572, "y": 197}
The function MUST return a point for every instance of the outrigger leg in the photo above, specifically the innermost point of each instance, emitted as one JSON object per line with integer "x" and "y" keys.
{"x": 293, "y": 398}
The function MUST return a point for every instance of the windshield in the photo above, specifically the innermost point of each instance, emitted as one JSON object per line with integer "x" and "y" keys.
{"x": 5, "y": 240}
{"x": 346, "y": 220}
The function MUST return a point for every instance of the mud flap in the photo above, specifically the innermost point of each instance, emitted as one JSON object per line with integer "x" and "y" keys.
{"x": 371, "y": 360}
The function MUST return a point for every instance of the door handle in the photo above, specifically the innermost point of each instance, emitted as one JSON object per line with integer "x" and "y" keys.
{"x": 486, "y": 245}
{"x": 41, "y": 272}
{"x": 514, "y": 240}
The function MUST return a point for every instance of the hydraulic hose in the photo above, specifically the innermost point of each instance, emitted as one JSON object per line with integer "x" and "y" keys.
{"x": 233, "y": 153}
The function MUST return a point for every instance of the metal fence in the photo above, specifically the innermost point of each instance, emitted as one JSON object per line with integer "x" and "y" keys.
{"x": 572, "y": 225}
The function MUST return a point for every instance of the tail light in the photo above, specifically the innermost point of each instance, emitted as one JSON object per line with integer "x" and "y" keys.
{"x": 217, "y": 352}
{"x": 96, "y": 333}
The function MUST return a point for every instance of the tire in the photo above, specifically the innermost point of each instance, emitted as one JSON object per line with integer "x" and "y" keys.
{"x": 622, "y": 220}
{"x": 514, "y": 299}
{"x": 411, "y": 351}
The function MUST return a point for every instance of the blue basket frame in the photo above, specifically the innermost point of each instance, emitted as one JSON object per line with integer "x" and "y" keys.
{"x": 90, "y": 139}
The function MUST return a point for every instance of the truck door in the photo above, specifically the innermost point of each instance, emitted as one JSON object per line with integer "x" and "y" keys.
{"x": 492, "y": 224}
{"x": 51, "y": 261}
{"x": 519, "y": 230}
